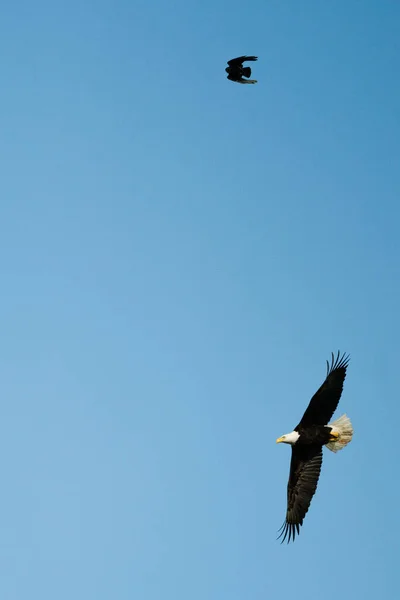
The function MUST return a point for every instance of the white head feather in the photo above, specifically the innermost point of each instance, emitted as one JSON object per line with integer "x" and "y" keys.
{"x": 289, "y": 438}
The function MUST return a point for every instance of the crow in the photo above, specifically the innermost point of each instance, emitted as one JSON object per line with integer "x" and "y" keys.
{"x": 236, "y": 70}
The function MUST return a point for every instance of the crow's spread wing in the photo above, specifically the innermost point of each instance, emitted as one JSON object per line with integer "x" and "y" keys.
{"x": 240, "y": 60}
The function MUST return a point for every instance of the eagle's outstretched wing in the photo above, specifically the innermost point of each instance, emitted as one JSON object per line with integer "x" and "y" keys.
{"x": 325, "y": 400}
{"x": 305, "y": 468}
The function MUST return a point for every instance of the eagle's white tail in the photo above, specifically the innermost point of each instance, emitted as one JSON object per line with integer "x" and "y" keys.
{"x": 344, "y": 428}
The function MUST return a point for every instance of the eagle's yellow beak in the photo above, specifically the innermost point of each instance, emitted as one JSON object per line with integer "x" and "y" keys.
{"x": 279, "y": 440}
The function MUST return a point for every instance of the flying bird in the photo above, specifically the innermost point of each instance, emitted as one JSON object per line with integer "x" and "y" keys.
{"x": 307, "y": 439}
{"x": 236, "y": 71}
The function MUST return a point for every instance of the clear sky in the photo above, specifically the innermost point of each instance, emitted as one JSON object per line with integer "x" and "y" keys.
{"x": 179, "y": 256}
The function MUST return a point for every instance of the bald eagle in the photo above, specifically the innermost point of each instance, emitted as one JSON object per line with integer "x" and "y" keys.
{"x": 236, "y": 70}
{"x": 307, "y": 439}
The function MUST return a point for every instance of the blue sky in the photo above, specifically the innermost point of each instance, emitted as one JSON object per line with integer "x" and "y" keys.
{"x": 179, "y": 256}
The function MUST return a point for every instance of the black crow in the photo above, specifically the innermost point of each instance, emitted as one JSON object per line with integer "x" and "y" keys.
{"x": 236, "y": 71}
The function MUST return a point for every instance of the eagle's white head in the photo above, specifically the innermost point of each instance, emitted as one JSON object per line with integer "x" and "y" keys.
{"x": 289, "y": 438}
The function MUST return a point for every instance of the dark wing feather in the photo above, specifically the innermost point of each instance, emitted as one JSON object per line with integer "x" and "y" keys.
{"x": 324, "y": 402}
{"x": 305, "y": 468}
{"x": 239, "y": 79}
{"x": 240, "y": 60}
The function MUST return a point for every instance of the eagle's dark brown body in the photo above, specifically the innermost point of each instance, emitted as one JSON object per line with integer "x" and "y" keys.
{"x": 307, "y": 440}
